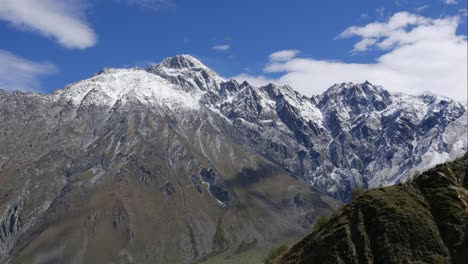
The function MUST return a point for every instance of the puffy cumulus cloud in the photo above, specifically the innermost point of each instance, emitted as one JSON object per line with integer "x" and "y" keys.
{"x": 420, "y": 55}
{"x": 221, "y": 47}
{"x": 60, "y": 19}
{"x": 283, "y": 55}
{"x": 17, "y": 73}
{"x": 401, "y": 29}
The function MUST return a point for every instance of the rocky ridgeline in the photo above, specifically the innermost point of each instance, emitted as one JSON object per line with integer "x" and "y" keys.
{"x": 352, "y": 136}
{"x": 206, "y": 163}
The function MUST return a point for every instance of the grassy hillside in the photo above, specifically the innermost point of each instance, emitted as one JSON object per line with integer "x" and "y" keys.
{"x": 422, "y": 221}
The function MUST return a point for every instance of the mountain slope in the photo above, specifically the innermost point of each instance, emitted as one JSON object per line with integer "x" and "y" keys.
{"x": 423, "y": 221}
{"x": 206, "y": 164}
{"x": 127, "y": 167}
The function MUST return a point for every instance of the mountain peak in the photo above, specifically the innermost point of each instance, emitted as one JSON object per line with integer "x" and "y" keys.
{"x": 187, "y": 72}
{"x": 350, "y": 88}
{"x": 182, "y": 61}
{"x": 355, "y": 98}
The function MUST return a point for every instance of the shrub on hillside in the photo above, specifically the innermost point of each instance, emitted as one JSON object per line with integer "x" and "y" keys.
{"x": 321, "y": 221}
{"x": 275, "y": 252}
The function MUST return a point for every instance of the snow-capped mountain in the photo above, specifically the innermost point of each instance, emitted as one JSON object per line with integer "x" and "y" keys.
{"x": 130, "y": 166}
{"x": 351, "y": 136}
{"x": 227, "y": 162}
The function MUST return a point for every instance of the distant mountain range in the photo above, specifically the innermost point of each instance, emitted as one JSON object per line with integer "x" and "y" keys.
{"x": 174, "y": 164}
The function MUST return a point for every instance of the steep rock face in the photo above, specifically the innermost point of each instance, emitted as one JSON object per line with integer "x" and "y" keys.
{"x": 424, "y": 221}
{"x": 128, "y": 167}
{"x": 352, "y": 136}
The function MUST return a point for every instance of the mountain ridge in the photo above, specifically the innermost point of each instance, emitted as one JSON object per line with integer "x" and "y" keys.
{"x": 316, "y": 127}
{"x": 211, "y": 167}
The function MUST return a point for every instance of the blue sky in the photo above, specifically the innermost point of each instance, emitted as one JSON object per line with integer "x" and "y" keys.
{"x": 46, "y": 45}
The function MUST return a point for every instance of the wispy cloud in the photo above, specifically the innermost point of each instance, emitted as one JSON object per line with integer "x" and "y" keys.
{"x": 463, "y": 12}
{"x": 255, "y": 80}
{"x": 420, "y": 54}
{"x": 221, "y": 47}
{"x": 365, "y": 16}
{"x": 380, "y": 11}
{"x": 283, "y": 55}
{"x": 450, "y": 2}
{"x": 17, "y": 73}
{"x": 421, "y": 8}
{"x": 154, "y": 5}
{"x": 59, "y": 19}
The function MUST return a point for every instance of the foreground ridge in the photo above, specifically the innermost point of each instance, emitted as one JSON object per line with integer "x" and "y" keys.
{"x": 424, "y": 220}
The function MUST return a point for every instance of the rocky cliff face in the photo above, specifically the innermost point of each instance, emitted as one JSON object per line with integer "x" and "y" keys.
{"x": 423, "y": 221}
{"x": 352, "y": 136}
{"x": 206, "y": 164}
{"x": 129, "y": 167}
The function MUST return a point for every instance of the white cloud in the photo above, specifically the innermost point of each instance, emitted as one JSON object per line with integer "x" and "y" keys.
{"x": 59, "y": 19}
{"x": 254, "y": 80}
{"x": 422, "y": 8}
{"x": 420, "y": 54}
{"x": 401, "y": 29}
{"x": 463, "y": 12}
{"x": 380, "y": 11}
{"x": 450, "y": 2}
{"x": 155, "y": 5}
{"x": 221, "y": 47}
{"x": 364, "y": 44}
{"x": 17, "y": 73}
{"x": 283, "y": 55}
{"x": 365, "y": 16}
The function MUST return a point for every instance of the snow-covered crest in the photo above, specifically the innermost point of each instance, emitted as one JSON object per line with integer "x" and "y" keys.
{"x": 351, "y": 136}
{"x": 189, "y": 73}
{"x": 113, "y": 85}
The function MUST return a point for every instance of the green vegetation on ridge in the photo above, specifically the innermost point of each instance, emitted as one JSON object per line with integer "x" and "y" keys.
{"x": 422, "y": 221}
